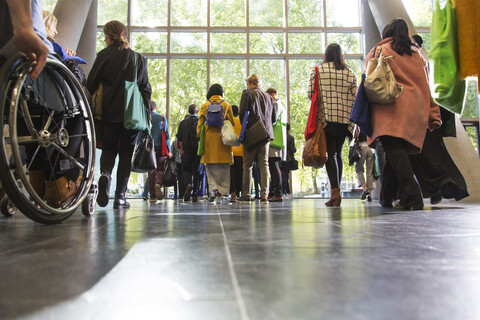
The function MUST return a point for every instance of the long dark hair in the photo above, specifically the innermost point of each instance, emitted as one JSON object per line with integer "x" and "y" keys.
{"x": 334, "y": 54}
{"x": 215, "y": 90}
{"x": 398, "y": 30}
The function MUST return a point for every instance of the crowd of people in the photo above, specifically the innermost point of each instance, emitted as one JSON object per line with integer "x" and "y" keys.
{"x": 402, "y": 128}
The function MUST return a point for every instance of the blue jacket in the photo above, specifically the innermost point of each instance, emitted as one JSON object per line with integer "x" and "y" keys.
{"x": 158, "y": 122}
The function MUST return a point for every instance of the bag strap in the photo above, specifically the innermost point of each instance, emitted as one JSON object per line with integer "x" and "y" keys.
{"x": 315, "y": 83}
{"x": 135, "y": 67}
{"x": 248, "y": 98}
{"x": 226, "y": 110}
{"x": 375, "y": 50}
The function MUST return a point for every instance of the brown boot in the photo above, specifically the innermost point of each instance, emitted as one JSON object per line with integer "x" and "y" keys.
{"x": 58, "y": 192}
{"x": 37, "y": 181}
{"x": 335, "y": 198}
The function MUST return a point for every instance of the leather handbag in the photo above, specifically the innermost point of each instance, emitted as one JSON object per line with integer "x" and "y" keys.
{"x": 144, "y": 158}
{"x": 315, "y": 151}
{"x": 380, "y": 84}
{"x": 170, "y": 172}
{"x": 354, "y": 152}
{"x": 312, "y": 115}
{"x": 229, "y": 136}
{"x": 361, "y": 112}
{"x": 251, "y": 136}
{"x": 136, "y": 112}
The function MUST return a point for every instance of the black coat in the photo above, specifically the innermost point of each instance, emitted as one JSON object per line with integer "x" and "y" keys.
{"x": 113, "y": 67}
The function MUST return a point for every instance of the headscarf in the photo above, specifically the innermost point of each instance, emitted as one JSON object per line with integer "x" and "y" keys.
{"x": 215, "y": 90}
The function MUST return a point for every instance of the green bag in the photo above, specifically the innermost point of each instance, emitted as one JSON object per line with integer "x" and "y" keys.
{"x": 136, "y": 112}
{"x": 279, "y": 130}
{"x": 448, "y": 89}
{"x": 376, "y": 167}
{"x": 201, "y": 141}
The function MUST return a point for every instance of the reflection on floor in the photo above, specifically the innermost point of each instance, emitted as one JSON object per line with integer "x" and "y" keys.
{"x": 292, "y": 260}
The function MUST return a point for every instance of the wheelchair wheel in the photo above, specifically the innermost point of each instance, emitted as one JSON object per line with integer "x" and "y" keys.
{"x": 7, "y": 207}
{"x": 47, "y": 141}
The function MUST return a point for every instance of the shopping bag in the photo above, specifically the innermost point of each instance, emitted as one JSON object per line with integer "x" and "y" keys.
{"x": 201, "y": 141}
{"x": 315, "y": 151}
{"x": 279, "y": 130}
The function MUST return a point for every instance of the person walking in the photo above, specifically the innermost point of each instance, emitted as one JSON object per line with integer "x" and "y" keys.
{"x": 365, "y": 179}
{"x": 401, "y": 125}
{"x": 217, "y": 156}
{"x": 261, "y": 109}
{"x": 287, "y": 165}
{"x": 161, "y": 142}
{"x": 188, "y": 141}
{"x": 337, "y": 87}
{"x": 236, "y": 169}
{"x": 113, "y": 66}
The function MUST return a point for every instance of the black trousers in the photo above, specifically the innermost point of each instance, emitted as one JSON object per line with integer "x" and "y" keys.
{"x": 398, "y": 174}
{"x": 334, "y": 163}
{"x": 117, "y": 141}
{"x": 275, "y": 176}
{"x": 190, "y": 164}
{"x": 236, "y": 175}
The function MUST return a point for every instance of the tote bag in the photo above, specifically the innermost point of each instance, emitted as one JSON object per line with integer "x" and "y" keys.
{"x": 361, "y": 112}
{"x": 312, "y": 115}
{"x": 279, "y": 130}
{"x": 201, "y": 141}
{"x": 136, "y": 112}
{"x": 229, "y": 136}
{"x": 315, "y": 151}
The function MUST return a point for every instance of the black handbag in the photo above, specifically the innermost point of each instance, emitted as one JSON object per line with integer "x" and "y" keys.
{"x": 170, "y": 173}
{"x": 144, "y": 158}
{"x": 354, "y": 153}
{"x": 293, "y": 164}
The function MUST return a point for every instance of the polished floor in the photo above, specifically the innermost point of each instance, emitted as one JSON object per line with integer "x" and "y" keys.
{"x": 292, "y": 260}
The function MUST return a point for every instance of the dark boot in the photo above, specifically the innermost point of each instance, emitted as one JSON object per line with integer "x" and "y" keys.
{"x": 104, "y": 189}
{"x": 120, "y": 202}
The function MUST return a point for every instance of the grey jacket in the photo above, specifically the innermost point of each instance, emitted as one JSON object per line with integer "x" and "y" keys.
{"x": 261, "y": 108}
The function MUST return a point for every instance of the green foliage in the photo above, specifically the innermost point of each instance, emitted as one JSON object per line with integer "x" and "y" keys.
{"x": 349, "y": 42}
{"x": 299, "y": 43}
{"x": 267, "y": 43}
{"x": 266, "y": 13}
{"x": 420, "y": 12}
{"x": 152, "y": 42}
{"x": 230, "y": 74}
{"x": 228, "y": 42}
{"x": 49, "y": 5}
{"x": 303, "y": 13}
{"x": 227, "y": 13}
{"x": 189, "y": 13}
{"x": 112, "y": 10}
{"x": 143, "y": 15}
{"x": 189, "y": 42}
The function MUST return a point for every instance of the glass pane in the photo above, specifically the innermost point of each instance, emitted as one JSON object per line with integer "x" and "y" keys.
{"x": 186, "y": 42}
{"x": 112, "y": 10}
{"x": 426, "y": 41}
{"x": 350, "y": 42}
{"x": 229, "y": 13}
{"x": 303, "y": 13}
{"x": 272, "y": 74}
{"x": 149, "y": 42}
{"x": 338, "y": 16}
{"x": 267, "y": 43}
{"x": 49, "y": 5}
{"x": 299, "y": 107}
{"x": 266, "y": 13}
{"x": 356, "y": 65}
{"x": 150, "y": 13}
{"x": 228, "y": 42}
{"x": 419, "y": 11}
{"x": 100, "y": 42}
{"x": 187, "y": 86}
{"x": 189, "y": 13}
{"x": 305, "y": 43}
{"x": 230, "y": 73}
{"x": 157, "y": 76}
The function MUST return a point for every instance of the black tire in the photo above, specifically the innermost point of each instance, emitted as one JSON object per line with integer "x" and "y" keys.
{"x": 7, "y": 207}
{"x": 37, "y": 118}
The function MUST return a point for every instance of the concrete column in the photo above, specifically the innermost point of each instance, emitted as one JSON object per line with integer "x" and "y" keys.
{"x": 71, "y": 17}
{"x": 370, "y": 30}
{"x": 385, "y": 10}
{"x": 88, "y": 41}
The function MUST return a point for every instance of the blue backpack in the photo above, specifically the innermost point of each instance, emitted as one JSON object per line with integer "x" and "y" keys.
{"x": 215, "y": 114}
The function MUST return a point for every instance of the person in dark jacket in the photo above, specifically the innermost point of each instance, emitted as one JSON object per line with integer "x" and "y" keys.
{"x": 287, "y": 165}
{"x": 113, "y": 66}
{"x": 261, "y": 109}
{"x": 188, "y": 142}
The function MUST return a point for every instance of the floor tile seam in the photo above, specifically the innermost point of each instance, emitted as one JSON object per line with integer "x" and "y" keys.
{"x": 420, "y": 245}
{"x": 236, "y": 287}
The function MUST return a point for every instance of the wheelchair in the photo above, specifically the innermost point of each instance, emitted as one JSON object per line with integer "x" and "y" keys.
{"x": 47, "y": 142}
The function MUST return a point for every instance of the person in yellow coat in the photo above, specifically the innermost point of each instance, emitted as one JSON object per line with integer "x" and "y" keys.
{"x": 216, "y": 156}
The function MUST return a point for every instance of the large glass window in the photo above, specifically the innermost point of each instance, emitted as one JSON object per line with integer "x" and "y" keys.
{"x": 266, "y": 13}
{"x": 143, "y": 15}
{"x": 228, "y": 42}
{"x": 267, "y": 42}
{"x": 227, "y": 13}
{"x": 189, "y": 13}
{"x": 153, "y": 42}
{"x": 112, "y": 10}
{"x": 230, "y": 74}
{"x": 342, "y": 13}
{"x": 303, "y": 13}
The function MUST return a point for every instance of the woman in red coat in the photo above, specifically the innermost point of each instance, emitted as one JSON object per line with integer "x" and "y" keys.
{"x": 401, "y": 125}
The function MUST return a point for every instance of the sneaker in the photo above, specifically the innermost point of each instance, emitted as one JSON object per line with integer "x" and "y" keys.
{"x": 211, "y": 198}
{"x": 103, "y": 189}
{"x": 244, "y": 199}
{"x": 276, "y": 199}
{"x": 364, "y": 194}
{"x": 188, "y": 191}
{"x": 263, "y": 200}
{"x": 158, "y": 192}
